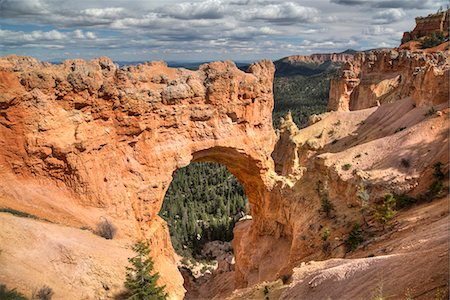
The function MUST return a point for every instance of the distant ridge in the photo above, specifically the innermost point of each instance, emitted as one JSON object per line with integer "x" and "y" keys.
{"x": 314, "y": 64}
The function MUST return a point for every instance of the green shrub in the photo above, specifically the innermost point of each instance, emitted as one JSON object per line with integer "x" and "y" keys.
{"x": 266, "y": 292}
{"x": 386, "y": 211}
{"x": 403, "y": 201}
{"x": 436, "y": 189}
{"x": 327, "y": 206}
{"x": 434, "y": 40}
{"x": 141, "y": 281}
{"x": 326, "y": 234}
{"x": 331, "y": 132}
{"x": 438, "y": 173}
{"x": 7, "y": 294}
{"x": 355, "y": 238}
{"x": 363, "y": 197}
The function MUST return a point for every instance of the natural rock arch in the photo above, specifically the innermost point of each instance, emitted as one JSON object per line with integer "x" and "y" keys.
{"x": 108, "y": 140}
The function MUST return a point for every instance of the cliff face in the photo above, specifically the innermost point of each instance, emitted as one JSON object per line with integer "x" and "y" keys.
{"x": 379, "y": 77}
{"x": 85, "y": 140}
{"x": 427, "y": 26}
{"x": 319, "y": 58}
{"x": 313, "y": 64}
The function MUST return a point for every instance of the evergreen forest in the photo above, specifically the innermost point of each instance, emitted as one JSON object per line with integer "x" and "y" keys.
{"x": 202, "y": 204}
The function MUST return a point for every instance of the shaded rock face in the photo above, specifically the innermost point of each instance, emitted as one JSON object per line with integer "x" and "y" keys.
{"x": 387, "y": 76}
{"x": 109, "y": 139}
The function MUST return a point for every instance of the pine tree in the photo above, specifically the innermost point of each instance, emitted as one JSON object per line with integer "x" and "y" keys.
{"x": 140, "y": 279}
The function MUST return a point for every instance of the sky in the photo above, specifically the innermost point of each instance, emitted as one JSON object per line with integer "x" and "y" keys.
{"x": 190, "y": 30}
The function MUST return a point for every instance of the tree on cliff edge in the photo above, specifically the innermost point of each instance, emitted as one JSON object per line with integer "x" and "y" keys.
{"x": 141, "y": 282}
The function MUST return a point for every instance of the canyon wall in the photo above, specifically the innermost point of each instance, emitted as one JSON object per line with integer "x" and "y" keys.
{"x": 379, "y": 77}
{"x": 83, "y": 141}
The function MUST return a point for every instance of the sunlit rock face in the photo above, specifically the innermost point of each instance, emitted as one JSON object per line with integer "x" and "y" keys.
{"x": 378, "y": 77}
{"x": 85, "y": 139}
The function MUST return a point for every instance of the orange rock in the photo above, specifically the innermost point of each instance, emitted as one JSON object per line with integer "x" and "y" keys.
{"x": 100, "y": 138}
{"x": 379, "y": 77}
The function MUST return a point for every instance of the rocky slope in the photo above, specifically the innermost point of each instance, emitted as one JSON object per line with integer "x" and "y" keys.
{"x": 408, "y": 261}
{"x": 85, "y": 140}
{"x": 75, "y": 263}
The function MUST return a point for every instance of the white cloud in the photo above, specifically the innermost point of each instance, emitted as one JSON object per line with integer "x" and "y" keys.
{"x": 210, "y": 9}
{"x": 214, "y": 28}
{"x": 90, "y": 35}
{"x": 389, "y": 16}
{"x": 79, "y": 34}
{"x": 378, "y": 30}
{"x": 283, "y": 13}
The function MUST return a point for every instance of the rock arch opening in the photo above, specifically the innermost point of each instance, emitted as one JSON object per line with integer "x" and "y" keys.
{"x": 201, "y": 206}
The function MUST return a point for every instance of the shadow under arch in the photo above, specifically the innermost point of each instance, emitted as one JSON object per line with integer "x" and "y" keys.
{"x": 248, "y": 171}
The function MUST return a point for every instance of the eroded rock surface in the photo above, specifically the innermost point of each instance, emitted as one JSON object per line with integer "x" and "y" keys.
{"x": 84, "y": 140}
{"x": 378, "y": 77}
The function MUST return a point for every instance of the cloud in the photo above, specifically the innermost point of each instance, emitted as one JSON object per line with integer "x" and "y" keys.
{"x": 14, "y": 8}
{"x": 378, "y": 30}
{"x": 202, "y": 28}
{"x": 283, "y": 13}
{"x": 79, "y": 34}
{"x": 389, "y": 16}
{"x": 210, "y": 9}
{"x": 104, "y": 13}
{"x": 405, "y": 4}
{"x": 21, "y": 38}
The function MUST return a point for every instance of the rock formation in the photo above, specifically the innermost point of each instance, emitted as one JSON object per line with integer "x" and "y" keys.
{"x": 319, "y": 58}
{"x": 379, "y": 77}
{"x": 427, "y": 26}
{"x": 83, "y": 141}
